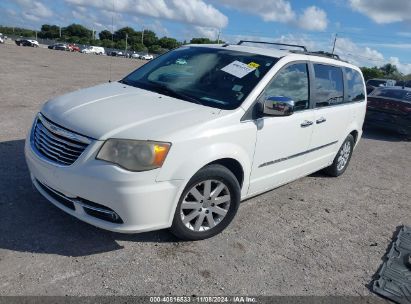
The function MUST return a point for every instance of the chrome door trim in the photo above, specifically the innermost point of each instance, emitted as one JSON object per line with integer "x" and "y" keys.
{"x": 296, "y": 155}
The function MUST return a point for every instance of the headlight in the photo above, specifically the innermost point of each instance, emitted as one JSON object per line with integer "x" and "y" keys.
{"x": 134, "y": 155}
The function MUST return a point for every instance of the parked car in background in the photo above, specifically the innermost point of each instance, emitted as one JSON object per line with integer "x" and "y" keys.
{"x": 379, "y": 82}
{"x": 59, "y": 47}
{"x": 135, "y": 56}
{"x": 147, "y": 57}
{"x": 1, "y": 38}
{"x": 233, "y": 122}
{"x": 98, "y": 50}
{"x": 116, "y": 54}
{"x": 27, "y": 42}
{"x": 390, "y": 108}
{"x": 73, "y": 48}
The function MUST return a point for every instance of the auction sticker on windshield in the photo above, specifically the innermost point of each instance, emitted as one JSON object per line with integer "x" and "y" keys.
{"x": 238, "y": 69}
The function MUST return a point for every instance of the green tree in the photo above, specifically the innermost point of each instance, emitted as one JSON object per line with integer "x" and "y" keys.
{"x": 150, "y": 38}
{"x": 204, "y": 41}
{"x": 121, "y": 33}
{"x": 49, "y": 31}
{"x": 107, "y": 43}
{"x": 389, "y": 69}
{"x": 120, "y": 44}
{"x": 76, "y": 30}
{"x": 156, "y": 49}
{"x": 105, "y": 35}
{"x": 168, "y": 43}
{"x": 138, "y": 47}
{"x": 373, "y": 72}
{"x": 17, "y": 31}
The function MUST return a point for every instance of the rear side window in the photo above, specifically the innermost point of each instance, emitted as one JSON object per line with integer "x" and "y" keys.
{"x": 355, "y": 86}
{"x": 329, "y": 85}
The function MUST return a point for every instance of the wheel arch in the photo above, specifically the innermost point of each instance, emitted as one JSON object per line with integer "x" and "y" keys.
{"x": 234, "y": 166}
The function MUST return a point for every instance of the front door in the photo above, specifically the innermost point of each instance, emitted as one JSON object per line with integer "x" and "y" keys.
{"x": 282, "y": 142}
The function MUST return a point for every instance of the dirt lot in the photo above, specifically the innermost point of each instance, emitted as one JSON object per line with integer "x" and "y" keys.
{"x": 315, "y": 236}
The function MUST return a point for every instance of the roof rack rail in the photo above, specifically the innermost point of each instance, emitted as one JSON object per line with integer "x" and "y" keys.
{"x": 319, "y": 53}
{"x": 273, "y": 43}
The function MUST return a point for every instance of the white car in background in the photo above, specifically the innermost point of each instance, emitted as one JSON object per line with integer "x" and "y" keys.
{"x": 179, "y": 146}
{"x": 98, "y": 50}
{"x": 147, "y": 57}
{"x": 1, "y": 38}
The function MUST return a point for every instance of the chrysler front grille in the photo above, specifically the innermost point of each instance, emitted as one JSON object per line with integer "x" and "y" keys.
{"x": 55, "y": 143}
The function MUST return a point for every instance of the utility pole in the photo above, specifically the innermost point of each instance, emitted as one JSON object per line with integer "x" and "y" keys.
{"x": 335, "y": 42}
{"x": 125, "y": 51}
{"x": 142, "y": 36}
{"x": 60, "y": 31}
{"x": 218, "y": 37}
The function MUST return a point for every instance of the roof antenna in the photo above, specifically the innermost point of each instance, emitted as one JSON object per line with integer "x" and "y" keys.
{"x": 335, "y": 42}
{"x": 112, "y": 40}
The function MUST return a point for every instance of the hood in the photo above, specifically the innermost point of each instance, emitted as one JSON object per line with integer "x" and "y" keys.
{"x": 114, "y": 110}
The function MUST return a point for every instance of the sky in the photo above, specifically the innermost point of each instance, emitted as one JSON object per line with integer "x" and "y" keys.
{"x": 369, "y": 32}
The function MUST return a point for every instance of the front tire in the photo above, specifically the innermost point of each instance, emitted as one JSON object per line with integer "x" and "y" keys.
{"x": 207, "y": 205}
{"x": 342, "y": 159}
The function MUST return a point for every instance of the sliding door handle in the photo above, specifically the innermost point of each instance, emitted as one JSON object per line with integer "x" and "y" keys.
{"x": 306, "y": 123}
{"x": 321, "y": 120}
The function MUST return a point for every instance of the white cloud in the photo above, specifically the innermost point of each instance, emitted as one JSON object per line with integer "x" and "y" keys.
{"x": 403, "y": 34}
{"x": 404, "y": 68}
{"x": 268, "y": 10}
{"x": 392, "y": 45}
{"x": 383, "y": 11}
{"x": 158, "y": 28}
{"x": 34, "y": 10}
{"x": 313, "y": 19}
{"x": 188, "y": 11}
{"x": 207, "y": 32}
{"x": 358, "y": 55}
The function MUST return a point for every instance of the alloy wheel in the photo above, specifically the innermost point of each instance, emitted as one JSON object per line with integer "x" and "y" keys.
{"x": 344, "y": 156}
{"x": 205, "y": 205}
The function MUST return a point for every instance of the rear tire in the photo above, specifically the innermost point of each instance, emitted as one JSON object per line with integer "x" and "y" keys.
{"x": 207, "y": 205}
{"x": 342, "y": 159}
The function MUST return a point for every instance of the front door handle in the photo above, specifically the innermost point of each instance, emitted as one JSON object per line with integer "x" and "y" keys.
{"x": 306, "y": 123}
{"x": 321, "y": 120}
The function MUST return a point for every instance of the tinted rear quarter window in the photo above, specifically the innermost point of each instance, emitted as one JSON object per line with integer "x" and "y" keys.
{"x": 329, "y": 85}
{"x": 355, "y": 86}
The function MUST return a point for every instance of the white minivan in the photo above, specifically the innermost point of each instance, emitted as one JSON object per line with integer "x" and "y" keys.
{"x": 183, "y": 139}
{"x": 98, "y": 50}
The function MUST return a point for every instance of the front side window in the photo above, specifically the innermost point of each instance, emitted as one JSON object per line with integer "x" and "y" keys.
{"x": 329, "y": 85}
{"x": 291, "y": 82}
{"x": 215, "y": 77}
{"x": 355, "y": 85}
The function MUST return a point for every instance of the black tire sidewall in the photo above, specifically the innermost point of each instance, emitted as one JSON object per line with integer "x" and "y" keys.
{"x": 333, "y": 169}
{"x": 215, "y": 172}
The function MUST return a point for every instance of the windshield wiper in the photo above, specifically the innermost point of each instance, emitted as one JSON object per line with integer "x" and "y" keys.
{"x": 170, "y": 92}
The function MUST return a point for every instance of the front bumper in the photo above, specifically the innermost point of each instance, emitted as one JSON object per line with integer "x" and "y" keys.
{"x": 142, "y": 203}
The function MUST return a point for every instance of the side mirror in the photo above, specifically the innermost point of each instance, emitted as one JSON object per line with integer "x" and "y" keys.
{"x": 278, "y": 106}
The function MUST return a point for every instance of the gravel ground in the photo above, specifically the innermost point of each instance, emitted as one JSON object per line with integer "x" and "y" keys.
{"x": 316, "y": 236}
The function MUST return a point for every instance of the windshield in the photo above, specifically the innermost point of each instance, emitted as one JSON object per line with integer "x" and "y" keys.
{"x": 212, "y": 77}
